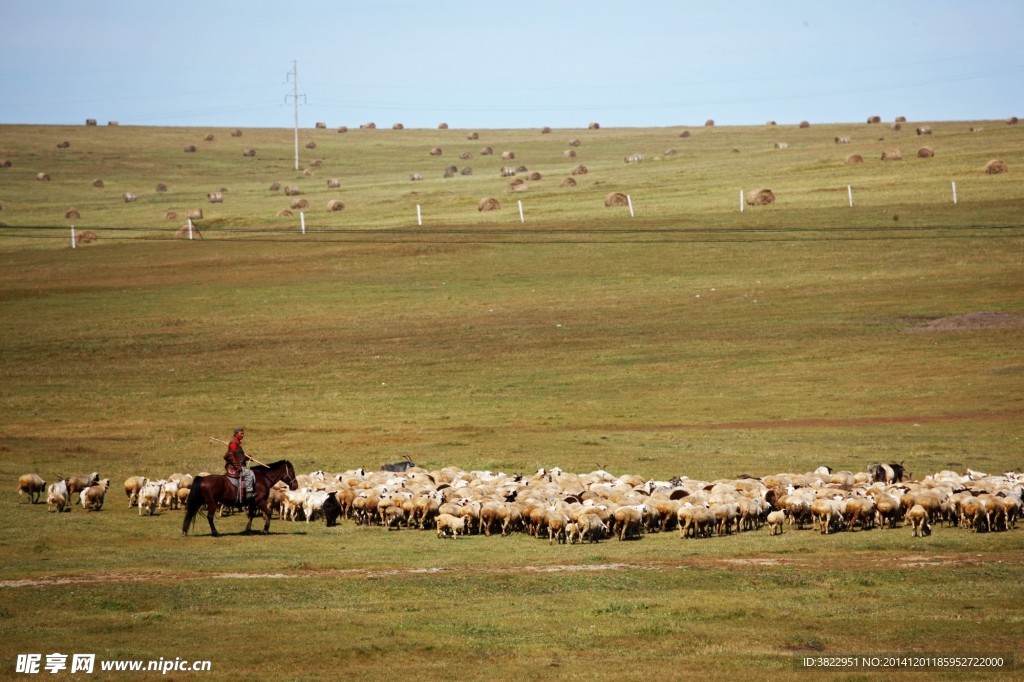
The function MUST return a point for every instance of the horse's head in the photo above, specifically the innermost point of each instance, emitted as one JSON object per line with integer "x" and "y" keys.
{"x": 289, "y": 477}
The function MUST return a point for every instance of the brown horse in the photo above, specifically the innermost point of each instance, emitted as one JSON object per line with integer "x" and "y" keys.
{"x": 215, "y": 490}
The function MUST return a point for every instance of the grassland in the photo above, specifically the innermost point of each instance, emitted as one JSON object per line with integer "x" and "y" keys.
{"x": 691, "y": 339}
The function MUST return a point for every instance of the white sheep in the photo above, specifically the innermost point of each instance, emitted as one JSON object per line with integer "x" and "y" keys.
{"x": 446, "y": 523}
{"x": 149, "y": 496}
{"x": 57, "y": 496}
{"x": 169, "y": 495}
{"x": 32, "y": 485}
{"x": 776, "y": 520}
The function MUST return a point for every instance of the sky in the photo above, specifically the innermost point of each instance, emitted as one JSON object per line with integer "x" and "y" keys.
{"x": 521, "y": 64}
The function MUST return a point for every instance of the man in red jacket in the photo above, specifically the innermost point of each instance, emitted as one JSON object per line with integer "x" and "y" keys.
{"x": 234, "y": 466}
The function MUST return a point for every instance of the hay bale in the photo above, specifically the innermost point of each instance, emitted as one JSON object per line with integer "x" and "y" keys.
{"x": 995, "y": 167}
{"x": 545, "y": 130}
{"x": 771, "y": 123}
{"x": 398, "y": 126}
{"x": 896, "y": 126}
{"x": 215, "y": 197}
{"x": 685, "y": 133}
{"x": 90, "y": 121}
{"x": 874, "y": 119}
{"x": 113, "y": 123}
{"x": 759, "y": 197}
{"x": 208, "y": 137}
{"x": 517, "y": 184}
{"x": 342, "y": 129}
{"x": 1012, "y": 121}
{"x": 86, "y": 237}
{"x": 925, "y": 153}
{"x": 508, "y": 156}
{"x": 449, "y": 173}
{"x": 335, "y": 205}
{"x": 442, "y": 126}
{"x": 292, "y": 190}
{"x": 321, "y": 125}
{"x": 311, "y": 145}
{"x": 569, "y": 153}
{"x": 670, "y": 152}
{"x": 195, "y": 214}
{"x": 416, "y": 177}
{"x": 453, "y": 169}
{"x": 568, "y": 182}
{"x": 466, "y": 171}
{"x": 249, "y": 152}
{"x": 473, "y": 136}
{"x": 161, "y": 187}
{"x": 534, "y": 176}
{"x": 488, "y": 204}
{"x": 171, "y": 215}
{"x": 318, "y": 163}
{"x": 5, "y": 163}
{"x": 43, "y": 177}
{"x": 574, "y": 142}
{"x": 924, "y": 130}
{"x": 369, "y": 126}
{"x": 710, "y": 123}
{"x": 63, "y": 144}
{"x": 309, "y": 172}
{"x": 805, "y": 124}
{"x": 853, "y": 159}
{"x": 275, "y": 187}
{"x": 97, "y": 183}
{"x": 129, "y": 197}
{"x": 299, "y": 204}
{"x": 616, "y": 199}
{"x": 901, "y": 119}
{"x": 580, "y": 170}
{"x": 465, "y": 156}
{"x": 190, "y": 148}
{"x": 236, "y": 133}
{"x": 333, "y": 183}
{"x": 522, "y": 169}
{"x": 487, "y": 151}
{"x": 436, "y": 151}
{"x": 284, "y": 213}
{"x": 892, "y": 155}
{"x": 72, "y": 214}
{"x": 594, "y": 126}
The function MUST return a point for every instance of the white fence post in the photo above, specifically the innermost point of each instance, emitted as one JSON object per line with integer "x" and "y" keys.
{"x": 419, "y": 216}
{"x": 190, "y": 229}
{"x": 521, "y": 218}
{"x": 849, "y": 193}
{"x": 741, "y": 201}
{"x": 72, "y": 236}
{"x": 954, "y": 192}
{"x": 629, "y": 202}
{"x": 302, "y": 221}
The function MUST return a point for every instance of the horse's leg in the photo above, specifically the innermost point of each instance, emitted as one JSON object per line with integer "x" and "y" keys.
{"x": 250, "y": 512}
{"x": 265, "y": 506}
{"x": 211, "y": 511}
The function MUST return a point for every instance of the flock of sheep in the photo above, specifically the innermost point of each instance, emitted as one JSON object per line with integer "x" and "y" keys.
{"x": 569, "y": 508}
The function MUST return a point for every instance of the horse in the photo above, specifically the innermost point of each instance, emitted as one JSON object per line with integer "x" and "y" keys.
{"x": 216, "y": 490}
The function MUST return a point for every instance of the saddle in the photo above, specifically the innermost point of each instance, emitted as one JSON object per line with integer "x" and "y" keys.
{"x": 250, "y": 492}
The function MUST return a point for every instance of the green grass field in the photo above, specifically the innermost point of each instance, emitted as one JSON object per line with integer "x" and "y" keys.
{"x": 691, "y": 339}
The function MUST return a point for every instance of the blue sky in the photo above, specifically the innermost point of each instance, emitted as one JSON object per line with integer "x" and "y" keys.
{"x": 528, "y": 63}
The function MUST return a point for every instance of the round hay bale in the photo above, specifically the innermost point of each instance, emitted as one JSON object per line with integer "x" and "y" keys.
{"x": 275, "y": 187}
{"x": 161, "y": 187}
{"x": 86, "y": 237}
{"x": 63, "y": 144}
{"x": 685, "y": 133}
{"x": 318, "y": 163}
{"x": 896, "y": 126}
{"x": 901, "y": 119}
{"x": 574, "y": 142}
{"x": 805, "y": 124}
{"x": 522, "y": 169}
{"x": 580, "y": 170}
{"x": 487, "y": 151}
{"x": 129, "y": 197}
{"x": 995, "y": 167}
{"x": 670, "y": 152}
{"x": 321, "y": 125}
{"x": 488, "y": 204}
{"x": 97, "y": 183}
{"x": 398, "y": 126}
{"x": 236, "y": 133}
{"x": 516, "y": 183}
{"x": 874, "y": 119}
{"x": 436, "y": 151}
{"x": 924, "y": 130}
{"x": 616, "y": 199}
{"x": 208, "y": 137}
{"x": 171, "y": 215}
{"x": 284, "y": 213}
{"x": 465, "y": 156}
{"x": 292, "y": 190}
{"x": 299, "y": 204}
{"x": 854, "y": 159}
{"x": 771, "y": 123}
{"x": 568, "y": 182}
{"x": 1012, "y": 121}
{"x": 545, "y": 130}
{"x": 342, "y": 129}
{"x": 759, "y": 197}
{"x": 5, "y": 163}
{"x": 710, "y": 123}
{"x": 449, "y": 173}
{"x": 72, "y": 214}
{"x": 369, "y": 126}
{"x": 594, "y": 126}
{"x": 451, "y": 169}
{"x": 534, "y": 176}
{"x": 473, "y": 136}
{"x": 43, "y": 177}
{"x": 925, "y": 153}
{"x": 442, "y": 126}
{"x": 333, "y": 183}
{"x": 311, "y": 145}
{"x": 90, "y": 121}
{"x": 215, "y": 197}
{"x": 195, "y": 214}
{"x": 569, "y": 153}
{"x": 415, "y": 177}
{"x": 335, "y": 205}
{"x": 189, "y": 149}
{"x": 113, "y": 123}
{"x": 892, "y": 155}
{"x": 508, "y": 156}
{"x": 249, "y": 152}
{"x": 466, "y": 171}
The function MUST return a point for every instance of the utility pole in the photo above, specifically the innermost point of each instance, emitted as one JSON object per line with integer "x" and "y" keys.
{"x": 294, "y": 75}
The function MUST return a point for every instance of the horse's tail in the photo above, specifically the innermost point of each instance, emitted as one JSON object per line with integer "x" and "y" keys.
{"x": 192, "y": 504}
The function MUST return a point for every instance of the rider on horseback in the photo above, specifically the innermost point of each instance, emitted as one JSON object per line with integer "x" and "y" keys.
{"x": 234, "y": 466}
